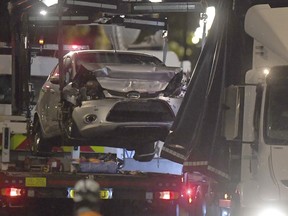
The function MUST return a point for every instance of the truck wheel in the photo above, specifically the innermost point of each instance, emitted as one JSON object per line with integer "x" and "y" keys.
{"x": 199, "y": 207}
{"x": 214, "y": 210}
{"x": 235, "y": 206}
{"x": 39, "y": 144}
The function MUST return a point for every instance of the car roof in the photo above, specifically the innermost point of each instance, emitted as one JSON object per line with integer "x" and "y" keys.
{"x": 108, "y": 51}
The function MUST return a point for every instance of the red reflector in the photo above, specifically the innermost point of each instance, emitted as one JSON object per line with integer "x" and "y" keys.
{"x": 12, "y": 192}
{"x": 168, "y": 195}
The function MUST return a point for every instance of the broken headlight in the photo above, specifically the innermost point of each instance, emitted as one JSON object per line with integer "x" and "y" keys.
{"x": 175, "y": 85}
{"x": 92, "y": 90}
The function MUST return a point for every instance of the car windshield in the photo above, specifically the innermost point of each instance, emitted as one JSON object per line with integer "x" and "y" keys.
{"x": 116, "y": 58}
{"x": 277, "y": 114}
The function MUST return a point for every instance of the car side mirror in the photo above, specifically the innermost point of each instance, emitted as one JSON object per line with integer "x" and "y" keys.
{"x": 55, "y": 80}
{"x": 232, "y": 113}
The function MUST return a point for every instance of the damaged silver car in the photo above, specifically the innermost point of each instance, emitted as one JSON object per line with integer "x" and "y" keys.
{"x": 109, "y": 98}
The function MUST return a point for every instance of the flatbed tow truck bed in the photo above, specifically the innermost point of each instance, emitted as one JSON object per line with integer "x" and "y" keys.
{"x": 120, "y": 186}
{"x": 122, "y": 193}
{"x": 33, "y": 185}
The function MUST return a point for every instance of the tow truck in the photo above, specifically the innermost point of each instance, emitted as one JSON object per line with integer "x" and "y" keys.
{"x": 219, "y": 141}
{"x": 27, "y": 181}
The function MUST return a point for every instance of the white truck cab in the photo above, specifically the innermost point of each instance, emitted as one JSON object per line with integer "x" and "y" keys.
{"x": 263, "y": 189}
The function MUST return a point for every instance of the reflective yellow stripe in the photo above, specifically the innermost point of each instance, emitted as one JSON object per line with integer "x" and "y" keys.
{"x": 17, "y": 140}
{"x": 67, "y": 148}
{"x": 98, "y": 149}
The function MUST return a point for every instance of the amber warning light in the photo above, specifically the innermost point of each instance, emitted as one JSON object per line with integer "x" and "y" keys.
{"x": 41, "y": 41}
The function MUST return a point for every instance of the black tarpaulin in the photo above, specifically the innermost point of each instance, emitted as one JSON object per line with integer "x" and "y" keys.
{"x": 195, "y": 139}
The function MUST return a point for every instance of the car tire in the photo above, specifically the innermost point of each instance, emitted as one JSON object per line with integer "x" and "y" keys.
{"x": 236, "y": 209}
{"x": 144, "y": 153}
{"x": 40, "y": 145}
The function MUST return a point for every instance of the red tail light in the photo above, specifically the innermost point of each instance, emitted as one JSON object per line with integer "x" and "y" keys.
{"x": 188, "y": 193}
{"x": 12, "y": 192}
{"x": 168, "y": 195}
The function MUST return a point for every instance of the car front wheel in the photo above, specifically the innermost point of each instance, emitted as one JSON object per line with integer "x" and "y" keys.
{"x": 144, "y": 153}
{"x": 39, "y": 145}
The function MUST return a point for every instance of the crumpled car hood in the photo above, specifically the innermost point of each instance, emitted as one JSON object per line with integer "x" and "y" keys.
{"x": 125, "y": 78}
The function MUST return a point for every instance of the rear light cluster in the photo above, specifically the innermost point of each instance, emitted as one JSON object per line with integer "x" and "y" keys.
{"x": 13, "y": 192}
{"x": 168, "y": 195}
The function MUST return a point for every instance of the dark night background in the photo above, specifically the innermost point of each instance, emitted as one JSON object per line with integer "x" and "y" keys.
{"x": 180, "y": 26}
{"x": 177, "y": 23}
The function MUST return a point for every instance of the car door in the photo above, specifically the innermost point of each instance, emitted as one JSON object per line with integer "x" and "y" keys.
{"x": 49, "y": 101}
{"x": 48, "y": 104}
